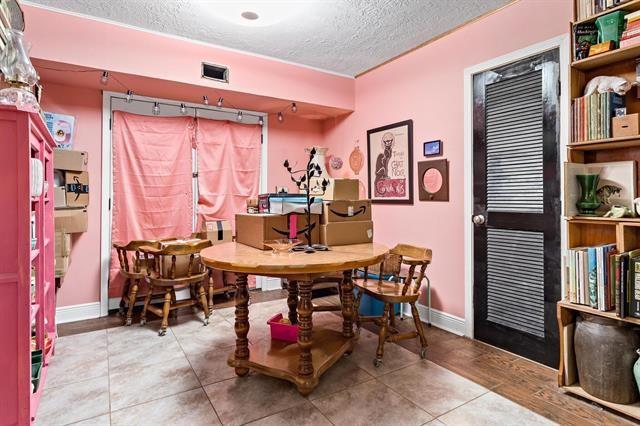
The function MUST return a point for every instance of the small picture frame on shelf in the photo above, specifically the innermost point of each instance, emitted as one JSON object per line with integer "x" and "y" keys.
{"x": 432, "y": 148}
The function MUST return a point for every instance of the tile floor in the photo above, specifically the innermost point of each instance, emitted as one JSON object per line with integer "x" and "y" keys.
{"x": 130, "y": 376}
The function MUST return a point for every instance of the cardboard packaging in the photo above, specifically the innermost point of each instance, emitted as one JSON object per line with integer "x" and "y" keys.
{"x": 342, "y": 189}
{"x": 63, "y": 244}
{"x": 264, "y": 200}
{"x": 182, "y": 262}
{"x": 77, "y": 189}
{"x": 254, "y": 229}
{"x": 61, "y": 266}
{"x": 345, "y": 233}
{"x": 346, "y": 211}
{"x": 65, "y": 159}
{"x": 59, "y": 197}
{"x": 216, "y": 231}
{"x": 625, "y": 125}
{"x": 286, "y": 205}
{"x": 71, "y": 221}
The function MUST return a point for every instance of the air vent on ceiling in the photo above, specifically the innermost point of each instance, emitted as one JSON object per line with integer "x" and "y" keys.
{"x": 215, "y": 72}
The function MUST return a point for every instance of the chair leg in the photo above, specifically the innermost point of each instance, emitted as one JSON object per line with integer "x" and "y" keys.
{"x": 166, "y": 308}
{"x": 125, "y": 296}
{"x": 133, "y": 293}
{"x": 203, "y": 301}
{"x": 174, "y": 312}
{"x": 210, "y": 281}
{"x": 392, "y": 318}
{"x": 419, "y": 329}
{"x": 147, "y": 301}
{"x": 356, "y": 312}
{"x": 382, "y": 336}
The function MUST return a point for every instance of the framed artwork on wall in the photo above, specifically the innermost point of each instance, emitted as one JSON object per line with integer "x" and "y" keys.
{"x": 390, "y": 162}
{"x": 433, "y": 180}
{"x": 432, "y": 148}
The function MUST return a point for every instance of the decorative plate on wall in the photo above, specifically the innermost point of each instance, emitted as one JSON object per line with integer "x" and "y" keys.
{"x": 433, "y": 180}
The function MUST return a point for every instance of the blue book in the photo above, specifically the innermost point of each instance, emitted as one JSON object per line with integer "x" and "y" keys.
{"x": 592, "y": 267}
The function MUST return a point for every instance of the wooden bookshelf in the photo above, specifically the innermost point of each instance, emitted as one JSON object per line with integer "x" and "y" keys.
{"x": 591, "y": 231}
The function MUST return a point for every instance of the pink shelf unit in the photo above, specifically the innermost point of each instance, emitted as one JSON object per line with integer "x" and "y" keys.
{"x": 23, "y": 136}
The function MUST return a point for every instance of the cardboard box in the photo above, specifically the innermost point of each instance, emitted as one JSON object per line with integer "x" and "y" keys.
{"x": 61, "y": 265}
{"x": 59, "y": 197}
{"x": 342, "y": 189}
{"x": 345, "y": 233}
{"x": 182, "y": 261}
{"x": 63, "y": 244}
{"x": 216, "y": 231}
{"x": 65, "y": 159}
{"x": 77, "y": 189}
{"x": 346, "y": 211}
{"x": 71, "y": 221}
{"x": 625, "y": 125}
{"x": 254, "y": 229}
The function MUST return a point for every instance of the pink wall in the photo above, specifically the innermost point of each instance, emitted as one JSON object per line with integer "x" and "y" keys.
{"x": 82, "y": 282}
{"x": 427, "y": 86}
{"x": 75, "y": 40}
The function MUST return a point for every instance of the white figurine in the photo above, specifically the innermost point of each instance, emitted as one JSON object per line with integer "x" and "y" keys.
{"x": 605, "y": 84}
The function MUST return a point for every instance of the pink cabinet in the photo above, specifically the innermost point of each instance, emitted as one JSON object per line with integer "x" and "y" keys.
{"x": 27, "y": 288}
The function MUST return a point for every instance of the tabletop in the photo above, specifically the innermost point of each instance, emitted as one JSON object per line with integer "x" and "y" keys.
{"x": 236, "y": 257}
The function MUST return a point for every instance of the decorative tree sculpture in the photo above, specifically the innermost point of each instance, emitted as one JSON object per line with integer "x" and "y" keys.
{"x": 303, "y": 179}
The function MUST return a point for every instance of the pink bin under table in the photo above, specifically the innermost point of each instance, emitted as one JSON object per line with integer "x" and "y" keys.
{"x": 281, "y": 331}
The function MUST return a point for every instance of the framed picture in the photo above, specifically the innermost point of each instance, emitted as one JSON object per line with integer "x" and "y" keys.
{"x": 390, "y": 155}
{"x": 432, "y": 148}
{"x": 433, "y": 180}
{"x": 616, "y": 185}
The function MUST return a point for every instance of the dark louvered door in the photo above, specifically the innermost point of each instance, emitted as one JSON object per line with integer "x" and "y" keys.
{"x": 517, "y": 207}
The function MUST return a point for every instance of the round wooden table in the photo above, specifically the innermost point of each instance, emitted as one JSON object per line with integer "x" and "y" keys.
{"x": 316, "y": 350}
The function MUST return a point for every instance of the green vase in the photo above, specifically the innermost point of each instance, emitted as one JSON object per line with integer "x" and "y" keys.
{"x": 588, "y": 202}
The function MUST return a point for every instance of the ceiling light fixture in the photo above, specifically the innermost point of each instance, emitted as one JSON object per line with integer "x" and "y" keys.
{"x": 220, "y": 101}
{"x": 104, "y": 80}
{"x": 156, "y": 108}
{"x": 183, "y": 109}
{"x": 261, "y": 121}
{"x": 294, "y": 107}
{"x": 280, "y": 117}
{"x": 129, "y": 96}
{"x": 239, "y": 115}
{"x": 205, "y": 100}
{"x": 251, "y": 16}
{"x": 256, "y": 13}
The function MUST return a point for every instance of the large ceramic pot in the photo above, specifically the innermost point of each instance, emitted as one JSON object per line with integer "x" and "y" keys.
{"x": 605, "y": 354}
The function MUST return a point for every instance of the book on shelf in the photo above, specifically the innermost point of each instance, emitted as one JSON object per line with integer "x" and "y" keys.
{"x": 588, "y": 8}
{"x": 604, "y": 279}
{"x": 591, "y": 115}
{"x": 584, "y": 36}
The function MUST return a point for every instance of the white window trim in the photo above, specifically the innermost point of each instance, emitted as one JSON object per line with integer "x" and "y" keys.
{"x": 107, "y": 170}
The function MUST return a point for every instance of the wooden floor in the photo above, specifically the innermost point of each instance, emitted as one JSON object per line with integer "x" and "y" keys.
{"x": 527, "y": 383}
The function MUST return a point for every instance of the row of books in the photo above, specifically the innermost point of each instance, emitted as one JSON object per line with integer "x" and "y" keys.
{"x": 587, "y": 8}
{"x": 605, "y": 279}
{"x": 592, "y": 115}
{"x": 631, "y": 34}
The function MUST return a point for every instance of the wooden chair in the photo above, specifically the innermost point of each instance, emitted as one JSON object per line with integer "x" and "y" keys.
{"x": 163, "y": 276}
{"x": 133, "y": 267}
{"x": 393, "y": 292}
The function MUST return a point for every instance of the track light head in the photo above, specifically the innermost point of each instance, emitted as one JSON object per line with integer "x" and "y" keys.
{"x": 239, "y": 115}
{"x": 205, "y": 100}
{"x": 183, "y": 109}
{"x": 104, "y": 80}
{"x": 220, "y": 101}
{"x": 294, "y": 107}
{"x": 280, "y": 117}
{"x": 129, "y": 96}
{"x": 156, "y": 108}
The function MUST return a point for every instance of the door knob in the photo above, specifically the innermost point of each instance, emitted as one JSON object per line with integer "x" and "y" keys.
{"x": 478, "y": 219}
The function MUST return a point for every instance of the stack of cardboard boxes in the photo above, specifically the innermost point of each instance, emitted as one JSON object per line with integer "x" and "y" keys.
{"x": 71, "y": 198}
{"x": 341, "y": 218}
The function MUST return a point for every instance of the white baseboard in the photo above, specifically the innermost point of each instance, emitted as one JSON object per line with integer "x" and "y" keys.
{"x": 79, "y": 312}
{"x": 443, "y": 320}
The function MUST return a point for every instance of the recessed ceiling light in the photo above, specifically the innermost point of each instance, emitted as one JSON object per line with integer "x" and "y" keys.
{"x": 251, "y": 16}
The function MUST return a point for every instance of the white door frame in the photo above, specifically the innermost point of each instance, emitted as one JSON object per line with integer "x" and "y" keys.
{"x": 107, "y": 171}
{"x": 562, "y": 43}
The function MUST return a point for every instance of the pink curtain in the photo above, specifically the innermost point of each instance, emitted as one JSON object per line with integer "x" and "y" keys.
{"x": 152, "y": 181}
{"x": 228, "y": 167}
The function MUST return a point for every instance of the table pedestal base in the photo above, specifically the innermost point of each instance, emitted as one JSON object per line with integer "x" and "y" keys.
{"x": 281, "y": 359}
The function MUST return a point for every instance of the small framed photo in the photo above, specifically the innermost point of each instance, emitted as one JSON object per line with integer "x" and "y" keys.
{"x": 432, "y": 148}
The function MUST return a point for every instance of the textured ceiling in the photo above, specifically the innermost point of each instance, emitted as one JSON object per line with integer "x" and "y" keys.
{"x": 343, "y": 36}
